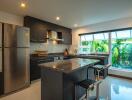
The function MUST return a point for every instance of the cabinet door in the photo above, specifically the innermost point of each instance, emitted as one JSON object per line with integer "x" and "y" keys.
{"x": 67, "y": 36}
{"x": 38, "y": 33}
{"x": 38, "y": 30}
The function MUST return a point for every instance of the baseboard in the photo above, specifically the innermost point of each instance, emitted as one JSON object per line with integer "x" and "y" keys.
{"x": 120, "y": 76}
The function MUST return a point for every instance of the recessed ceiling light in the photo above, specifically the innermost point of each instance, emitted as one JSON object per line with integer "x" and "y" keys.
{"x": 75, "y": 25}
{"x": 23, "y": 5}
{"x": 57, "y": 18}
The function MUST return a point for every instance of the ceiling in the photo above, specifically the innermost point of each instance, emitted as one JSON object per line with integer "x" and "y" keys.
{"x": 81, "y": 12}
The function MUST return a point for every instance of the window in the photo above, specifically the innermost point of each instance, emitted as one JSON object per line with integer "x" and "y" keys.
{"x": 120, "y": 43}
{"x": 95, "y": 43}
{"x": 86, "y": 43}
{"x": 122, "y": 49}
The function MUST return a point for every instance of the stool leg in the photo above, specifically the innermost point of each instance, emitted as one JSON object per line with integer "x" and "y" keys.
{"x": 97, "y": 92}
{"x": 95, "y": 74}
{"x": 75, "y": 93}
{"x": 87, "y": 94}
{"x": 98, "y": 75}
{"x": 75, "y": 98}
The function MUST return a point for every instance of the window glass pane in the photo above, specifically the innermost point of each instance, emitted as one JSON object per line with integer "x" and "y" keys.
{"x": 106, "y": 36}
{"x": 123, "y": 34}
{"x": 99, "y": 36}
{"x": 98, "y": 44}
{"x": 113, "y": 35}
{"x": 131, "y": 33}
{"x": 83, "y": 38}
{"x": 89, "y": 37}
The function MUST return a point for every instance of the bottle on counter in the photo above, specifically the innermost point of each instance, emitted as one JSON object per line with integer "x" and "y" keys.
{"x": 66, "y": 53}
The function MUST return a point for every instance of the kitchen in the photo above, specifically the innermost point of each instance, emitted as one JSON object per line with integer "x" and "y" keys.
{"x": 54, "y": 42}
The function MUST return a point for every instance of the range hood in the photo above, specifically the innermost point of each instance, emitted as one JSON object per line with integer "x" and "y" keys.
{"x": 54, "y": 36}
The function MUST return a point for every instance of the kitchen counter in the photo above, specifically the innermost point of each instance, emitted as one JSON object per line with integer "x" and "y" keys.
{"x": 35, "y": 72}
{"x": 70, "y": 65}
{"x": 102, "y": 57}
{"x": 93, "y": 56}
{"x": 58, "y": 78}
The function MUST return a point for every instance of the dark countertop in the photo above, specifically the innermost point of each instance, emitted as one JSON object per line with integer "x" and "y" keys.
{"x": 94, "y": 56}
{"x": 69, "y": 65}
{"x": 99, "y": 56}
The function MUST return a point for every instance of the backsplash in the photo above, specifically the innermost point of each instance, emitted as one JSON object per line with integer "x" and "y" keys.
{"x": 50, "y": 47}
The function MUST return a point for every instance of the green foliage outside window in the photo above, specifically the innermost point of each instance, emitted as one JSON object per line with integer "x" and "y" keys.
{"x": 95, "y": 46}
{"x": 122, "y": 53}
{"x": 121, "y": 50}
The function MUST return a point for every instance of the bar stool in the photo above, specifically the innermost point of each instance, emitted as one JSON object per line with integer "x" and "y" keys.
{"x": 99, "y": 68}
{"x": 88, "y": 84}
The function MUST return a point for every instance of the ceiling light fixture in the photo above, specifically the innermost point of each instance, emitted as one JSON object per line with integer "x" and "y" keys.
{"x": 75, "y": 25}
{"x": 57, "y": 18}
{"x": 23, "y": 5}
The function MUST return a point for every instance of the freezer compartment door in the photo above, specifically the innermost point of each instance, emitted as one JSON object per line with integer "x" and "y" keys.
{"x": 16, "y": 36}
{"x": 0, "y": 35}
{"x": 23, "y": 37}
{"x": 16, "y": 69}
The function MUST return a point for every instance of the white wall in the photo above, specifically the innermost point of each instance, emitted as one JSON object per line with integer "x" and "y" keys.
{"x": 115, "y": 24}
{"x": 18, "y": 20}
{"x": 11, "y": 18}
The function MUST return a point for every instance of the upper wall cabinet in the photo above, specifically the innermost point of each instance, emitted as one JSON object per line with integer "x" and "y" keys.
{"x": 39, "y": 28}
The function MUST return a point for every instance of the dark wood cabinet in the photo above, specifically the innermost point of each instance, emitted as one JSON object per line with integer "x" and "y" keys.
{"x": 39, "y": 28}
{"x": 67, "y": 37}
{"x": 35, "y": 71}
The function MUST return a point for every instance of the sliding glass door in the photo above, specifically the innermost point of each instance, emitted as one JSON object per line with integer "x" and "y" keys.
{"x": 121, "y": 49}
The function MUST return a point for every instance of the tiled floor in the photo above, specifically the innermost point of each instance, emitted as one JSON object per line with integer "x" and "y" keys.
{"x": 116, "y": 89}
{"x": 111, "y": 89}
{"x": 31, "y": 93}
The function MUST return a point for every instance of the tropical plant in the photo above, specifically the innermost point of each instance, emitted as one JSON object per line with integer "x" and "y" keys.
{"x": 119, "y": 52}
{"x": 100, "y": 46}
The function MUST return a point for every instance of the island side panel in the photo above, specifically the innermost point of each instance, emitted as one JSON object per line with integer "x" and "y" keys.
{"x": 91, "y": 74}
{"x": 51, "y": 85}
{"x": 69, "y": 84}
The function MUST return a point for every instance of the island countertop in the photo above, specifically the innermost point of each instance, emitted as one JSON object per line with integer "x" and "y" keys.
{"x": 70, "y": 65}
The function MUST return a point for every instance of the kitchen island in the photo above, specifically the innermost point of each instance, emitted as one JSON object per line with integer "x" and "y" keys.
{"x": 58, "y": 78}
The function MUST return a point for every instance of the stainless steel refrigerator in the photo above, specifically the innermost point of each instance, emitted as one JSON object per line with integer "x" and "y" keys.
{"x": 15, "y": 56}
